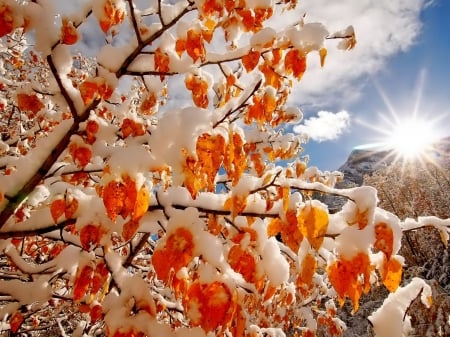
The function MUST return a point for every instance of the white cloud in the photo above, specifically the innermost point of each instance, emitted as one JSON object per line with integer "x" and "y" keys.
{"x": 383, "y": 28}
{"x": 326, "y": 126}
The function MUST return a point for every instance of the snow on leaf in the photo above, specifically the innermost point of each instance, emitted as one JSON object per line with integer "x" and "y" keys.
{"x": 242, "y": 262}
{"x": 350, "y": 277}
{"x": 209, "y": 305}
{"x": 111, "y": 13}
{"x": 69, "y": 34}
{"x": 88, "y": 91}
{"x": 175, "y": 253}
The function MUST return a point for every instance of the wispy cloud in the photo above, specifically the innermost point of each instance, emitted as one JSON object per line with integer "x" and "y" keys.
{"x": 326, "y": 126}
{"x": 383, "y": 28}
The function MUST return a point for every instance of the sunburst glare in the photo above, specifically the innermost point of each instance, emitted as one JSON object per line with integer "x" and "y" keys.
{"x": 408, "y": 134}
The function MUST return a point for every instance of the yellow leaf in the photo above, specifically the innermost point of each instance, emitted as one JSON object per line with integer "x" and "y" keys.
{"x": 142, "y": 202}
{"x": 313, "y": 222}
{"x": 323, "y": 54}
{"x": 392, "y": 274}
{"x": 308, "y": 268}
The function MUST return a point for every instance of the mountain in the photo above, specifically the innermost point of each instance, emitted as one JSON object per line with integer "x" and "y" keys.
{"x": 363, "y": 161}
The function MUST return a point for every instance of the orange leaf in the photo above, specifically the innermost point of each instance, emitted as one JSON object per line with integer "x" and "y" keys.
{"x": 384, "y": 239}
{"x": 209, "y": 305}
{"x": 96, "y": 313}
{"x": 130, "y": 192}
{"x": 272, "y": 78}
{"x": 71, "y": 206}
{"x": 148, "y": 104}
{"x": 100, "y": 277}
{"x": 295, "y": 63}
{"x": 199, "y": 88}
{"x": 57, "y": 209}
{"x": 29, "y": 103}
{"x": 194, "y": 45}
{"x": 16, "y": 321}
{"x": 91, "y": 129}
{"x": 235, "y": 159}
{"x": 236, "y": 204}
{"x": 114, "y": 195}
{"x": 82, "y": 282}
{"x": 308, "y": 268}
{"x": 180, "y": 47}
{"x": 90, "y": 236}
{"x": 88, "y": 91}
{"x": 392, "y": 274}
{"x": 251, "y": 60}
{"x": 81, "y": 154}
{"x": 162, "y": 61}
{"x": 129, "y": 229}
{"x": 177, "y": 253}
{"x": 277, "y": 54}
{"x": 112, "y": 15}
{"x": 6, "y": 20}
{"x": 345, "y": 277}
{"x": 210, "y": 151}
{"x": 69, "y": 34}
{"x": 243, "y": 263}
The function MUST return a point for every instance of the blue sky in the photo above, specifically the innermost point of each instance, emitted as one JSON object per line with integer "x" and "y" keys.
{"x": 401, "y": 58}
{"x": 416, "y": 75}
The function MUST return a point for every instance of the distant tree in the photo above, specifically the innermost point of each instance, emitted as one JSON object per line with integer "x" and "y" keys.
{"x": 419, "y": 189}
{"x": 128, "y": 208}
{"x": 414, "y": 188}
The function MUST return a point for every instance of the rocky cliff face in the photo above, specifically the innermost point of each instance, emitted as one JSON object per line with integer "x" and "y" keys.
{"x": 361, "y": 162}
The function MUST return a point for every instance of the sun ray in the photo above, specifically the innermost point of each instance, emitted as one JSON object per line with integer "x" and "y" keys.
{"x": 407, "y": 135}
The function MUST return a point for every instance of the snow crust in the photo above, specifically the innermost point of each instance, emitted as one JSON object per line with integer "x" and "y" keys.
{"x": 390, "y": 320}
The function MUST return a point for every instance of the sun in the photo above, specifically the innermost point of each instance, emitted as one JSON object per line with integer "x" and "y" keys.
{"x": 410, "y": 138}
